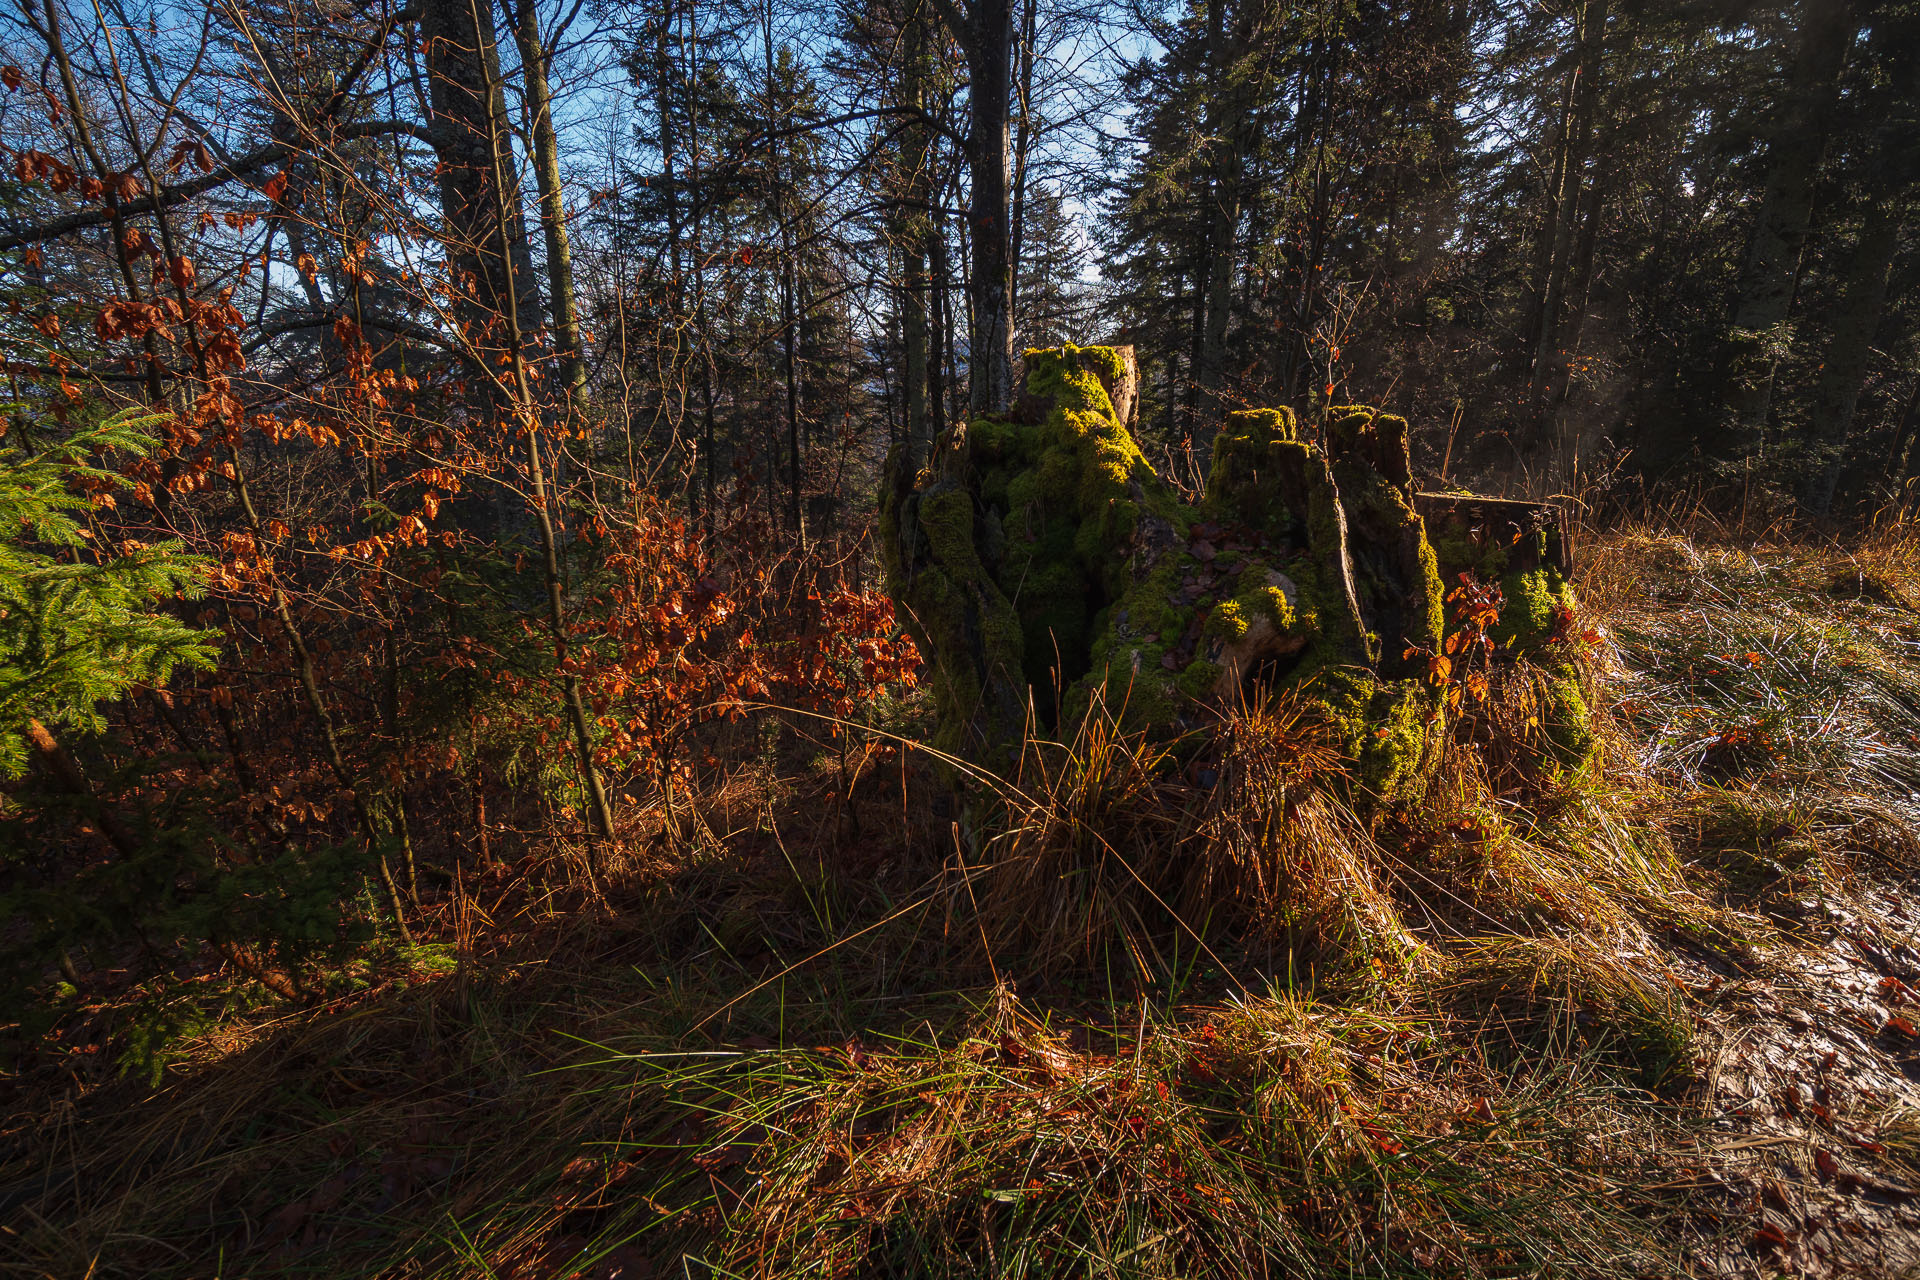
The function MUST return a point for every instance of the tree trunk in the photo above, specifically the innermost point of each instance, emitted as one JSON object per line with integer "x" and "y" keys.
{"x": 1311, "y": 112}
{"x": 707, "y": 480}
{"x": 1905, "y": 459}
{"x": 1760, "y": 334}
{"x": 913, "y": 338}
{"x": 1224, "y": 162}
{"x": 943, "y": 381}
{"x": 1191, "y": 428}
{"x": 553, "y": 212}
{"x": 789, "y": 320}
{"x": 459, "y": 40}
{"x": 524, "y": 415}
{"x": 672, "y": 390}
{"x": 910, "y": 231}
{"x": 1850, "y": 343}
{"x": 790, "y": 324}
{"x": 1552, "y": 210}
{"x": 1566, "y": 204}
{"x": 1022, "y": 143}
{"x": 985, "y": 32}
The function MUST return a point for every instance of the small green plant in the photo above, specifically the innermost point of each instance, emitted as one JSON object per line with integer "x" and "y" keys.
{"x": 83, "y": 623}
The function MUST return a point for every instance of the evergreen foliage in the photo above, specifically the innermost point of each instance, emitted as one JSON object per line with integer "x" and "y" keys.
{"x": 83, "y": 620}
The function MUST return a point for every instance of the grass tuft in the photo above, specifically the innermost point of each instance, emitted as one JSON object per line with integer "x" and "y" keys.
{"x": 1565, "y": 997}
{"x": 1111, "y": 843}
{"x": 1268, "y": 1136}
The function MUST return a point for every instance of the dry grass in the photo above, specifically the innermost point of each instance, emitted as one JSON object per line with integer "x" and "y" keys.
{"x": 1108, "y": 844}
{"x": 1264, "y": 1137}
{"x": 1565, "y": 997}
{"x": 1138, "y": 1010}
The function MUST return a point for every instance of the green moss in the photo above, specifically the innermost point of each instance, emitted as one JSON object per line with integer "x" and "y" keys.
{"x": 1198, "y": 678}
{"x": 1396, "y": 574}
{"x": 1436, "y": 599}
{"x": 1050, "y": 546}
{"x": 1347, "y": 426}
{"x": 1232, "y": 618}
{"x": 956, "y": 613}
{"x": 1229, "y": 620}
{"x": 946, "y": 520}
{"x": 1533, "y": 597}
{"x": 1129, "y": 650}
{"x": 1244, "y": 480}
{"x": 1388, "y": 729}
{"x": 1456, "y": 553}
{"x": 1568, "y": 722}
{"x": 1533, "y": 594}
{"x": 1071, "y": 492}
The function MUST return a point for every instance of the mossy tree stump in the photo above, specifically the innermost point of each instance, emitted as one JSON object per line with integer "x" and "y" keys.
{"x": 1038, "y": 560}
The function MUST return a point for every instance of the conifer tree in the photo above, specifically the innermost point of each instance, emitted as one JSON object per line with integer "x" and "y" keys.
{"x": 81, "y": 623}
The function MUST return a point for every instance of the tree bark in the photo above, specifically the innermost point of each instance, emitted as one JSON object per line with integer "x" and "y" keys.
{"x": 1849, "y": 345}
{"x": 1760, "y": 335}
{"x": 943, "y": 376}
{"x": 1904, "y": 457}
{"x": 1566, "y": 203}
{"x": 708, "y": 479}
{"x": 912, "y": 227}
{"x": 524, "y": 412}
{"x": 985, "y": 33}
{"x": 1224, "y": 163}
{"x": 459, "y": 41}
{"x": 789, "y": 319}
{"x": 1022, "y": 144}
{"x": 553, "y": 212}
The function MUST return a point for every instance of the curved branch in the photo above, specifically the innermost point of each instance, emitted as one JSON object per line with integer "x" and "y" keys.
{"x": 176, "y": 193}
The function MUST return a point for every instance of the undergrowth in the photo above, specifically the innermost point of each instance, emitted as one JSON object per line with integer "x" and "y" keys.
{"x": 1136, "y": 1009}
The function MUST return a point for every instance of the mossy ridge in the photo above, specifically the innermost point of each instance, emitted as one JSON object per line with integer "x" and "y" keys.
{"x": 1531, "y": 629}
{"x": 1265, "y": 599}
{"x": 1071, "y": 493}
{"x": 1535, "y": 590}
{"x": 1266, "y": 478}
{"x": 1396, "y": 574}
{"x": 1390, "y": 729}
{"x": 1079, "y": 559}
{"x": 1536, "y": 598}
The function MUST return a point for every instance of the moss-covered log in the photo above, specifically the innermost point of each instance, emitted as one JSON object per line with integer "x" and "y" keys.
{"x": 1040, "y": 561}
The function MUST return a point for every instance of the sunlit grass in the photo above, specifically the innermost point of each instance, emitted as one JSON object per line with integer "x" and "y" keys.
{"x": 1131, "y": 1010}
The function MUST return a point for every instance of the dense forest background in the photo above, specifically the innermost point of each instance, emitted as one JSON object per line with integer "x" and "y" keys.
{"x": 441, "y": 433}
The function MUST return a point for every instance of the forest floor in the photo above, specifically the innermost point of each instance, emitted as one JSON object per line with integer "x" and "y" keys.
{"x": 1659, "y": 1019}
